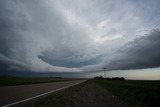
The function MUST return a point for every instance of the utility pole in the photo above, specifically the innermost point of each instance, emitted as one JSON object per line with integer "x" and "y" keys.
{"x": 104, "y": 73}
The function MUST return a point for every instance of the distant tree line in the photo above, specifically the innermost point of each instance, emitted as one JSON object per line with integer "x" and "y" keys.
{"x": 113, "y": 78}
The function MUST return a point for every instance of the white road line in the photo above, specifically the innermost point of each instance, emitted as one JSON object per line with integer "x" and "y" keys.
{"x": 11, "y": 104}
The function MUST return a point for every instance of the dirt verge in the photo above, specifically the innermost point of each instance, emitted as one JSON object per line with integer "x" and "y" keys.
{"x": 93, "y": 95}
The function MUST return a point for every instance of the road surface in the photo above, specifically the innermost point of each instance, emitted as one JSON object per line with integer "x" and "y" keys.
{"x": 11, "y": 95}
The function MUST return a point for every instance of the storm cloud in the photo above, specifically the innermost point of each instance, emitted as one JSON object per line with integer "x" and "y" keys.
{"x": 141, "y": 53}
{"x": 30, "y": 29}
{"x": 74, "y": 36}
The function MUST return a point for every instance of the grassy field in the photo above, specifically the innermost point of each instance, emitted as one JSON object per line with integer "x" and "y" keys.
{"x": 9, "y": 81}
{"x": 135, "y": 93}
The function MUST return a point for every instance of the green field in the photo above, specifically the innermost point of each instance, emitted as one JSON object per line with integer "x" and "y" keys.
{"x": 10, "y": 81}
{"x": 135, "y": 93}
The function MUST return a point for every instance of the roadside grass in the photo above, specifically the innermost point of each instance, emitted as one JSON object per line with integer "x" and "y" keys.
{"x": 59, "y": 99}
{"x": 10, "y": 81}
{"x": 135, "y": 93}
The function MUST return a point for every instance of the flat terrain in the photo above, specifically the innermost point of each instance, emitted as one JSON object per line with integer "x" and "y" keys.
{"x": 135, "y": 93}
{"x": 87, "y": 94}
{"x": 105, "y": 93}
{"x": 10, "y": 81}
{"x": 93, "y": 95}
{"x": 10, "y": 94}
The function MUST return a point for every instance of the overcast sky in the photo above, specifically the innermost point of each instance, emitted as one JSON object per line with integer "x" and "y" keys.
{"x": 81, "y": 36}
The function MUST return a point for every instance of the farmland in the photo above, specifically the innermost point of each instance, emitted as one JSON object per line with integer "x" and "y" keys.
{"x": 93, "y": 92}
{"x": 135, "y": 93}
{"x": 119, "y": 94}
{"x": 11, "y": 81}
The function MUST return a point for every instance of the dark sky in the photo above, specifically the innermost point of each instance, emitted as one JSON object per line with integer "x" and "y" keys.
{"x": 79, "y": 36}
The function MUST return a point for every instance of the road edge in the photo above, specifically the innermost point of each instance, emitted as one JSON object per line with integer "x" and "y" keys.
{"x": 40, "y": 95}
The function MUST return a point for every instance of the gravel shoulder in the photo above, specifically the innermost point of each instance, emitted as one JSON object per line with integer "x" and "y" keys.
{"x": 93, "y": 95}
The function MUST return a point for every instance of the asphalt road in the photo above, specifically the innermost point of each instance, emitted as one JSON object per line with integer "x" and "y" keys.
{"x": 15, "y": 94}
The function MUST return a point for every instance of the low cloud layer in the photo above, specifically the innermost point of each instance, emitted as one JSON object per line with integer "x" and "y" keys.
{"x": 73, "y": 36}
{"x": 141, "y": 53}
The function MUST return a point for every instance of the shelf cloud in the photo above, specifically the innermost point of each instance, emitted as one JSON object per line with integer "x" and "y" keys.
{"x": 141, "y": 53}
{"x": 74, "y": 36}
